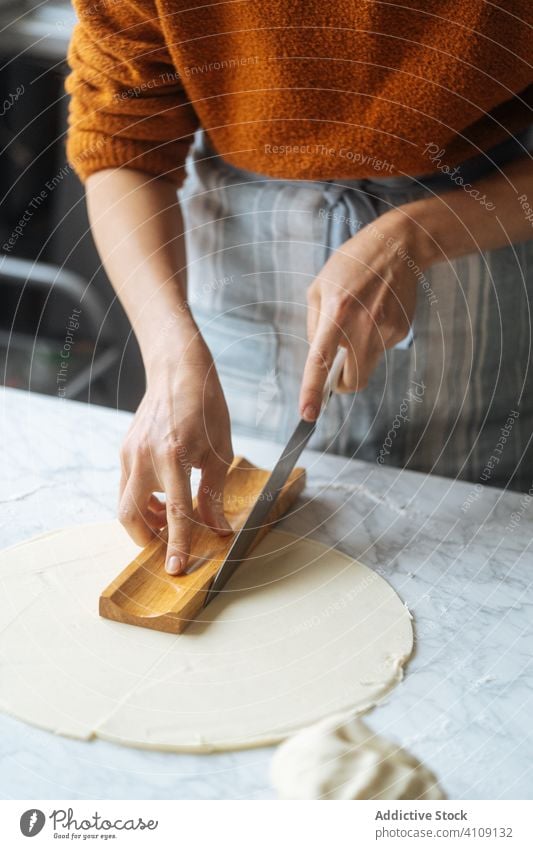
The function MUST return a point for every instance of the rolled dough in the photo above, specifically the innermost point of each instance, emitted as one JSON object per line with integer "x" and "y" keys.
{"x": 341, "y": 758}
{"x": 307, "y": 632}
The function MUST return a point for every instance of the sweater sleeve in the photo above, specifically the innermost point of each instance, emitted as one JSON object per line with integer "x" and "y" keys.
{"x": 127, "y": 106}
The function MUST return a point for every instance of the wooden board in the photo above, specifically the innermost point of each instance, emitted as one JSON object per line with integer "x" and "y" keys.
{"x": 145, "y": 594}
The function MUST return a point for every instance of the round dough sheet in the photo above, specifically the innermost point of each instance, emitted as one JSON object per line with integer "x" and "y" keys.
{"x": 307, "y": 632}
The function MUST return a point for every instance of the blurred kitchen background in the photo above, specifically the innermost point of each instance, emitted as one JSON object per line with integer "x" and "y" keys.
{"x": 48, "y": 262}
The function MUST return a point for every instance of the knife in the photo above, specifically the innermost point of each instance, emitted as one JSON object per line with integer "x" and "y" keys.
{"x": 286, "y": 463}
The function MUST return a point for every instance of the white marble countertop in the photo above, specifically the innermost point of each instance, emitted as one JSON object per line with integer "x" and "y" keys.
{"x": 466, "y": 703}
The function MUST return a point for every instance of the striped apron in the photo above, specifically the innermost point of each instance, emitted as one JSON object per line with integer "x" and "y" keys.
{"x": 457, "y": 401}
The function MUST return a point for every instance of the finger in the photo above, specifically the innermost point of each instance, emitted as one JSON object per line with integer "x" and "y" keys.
{"x": 156, "y": 515}
{"x": 364, "y": 348}
{"x": 179, "y": 517}
{"x": 156, "y": 505}
{"x": 211, "y": 494}
{"x": 133, "y": 510}
{"x": 319, "y": 361}
{"x": 358, "y": 369}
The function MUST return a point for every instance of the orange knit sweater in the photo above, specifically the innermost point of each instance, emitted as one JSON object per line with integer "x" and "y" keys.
{"x": 297, "y": 88}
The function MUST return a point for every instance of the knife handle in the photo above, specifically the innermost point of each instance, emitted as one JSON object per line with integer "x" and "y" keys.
{"x": 332, "y": 380}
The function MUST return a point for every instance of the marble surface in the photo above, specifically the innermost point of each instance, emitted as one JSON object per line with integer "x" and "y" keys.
{"x": 465, "y": 572}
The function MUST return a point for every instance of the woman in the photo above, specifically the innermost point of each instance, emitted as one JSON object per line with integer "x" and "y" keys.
{"x": 307, "y": 226}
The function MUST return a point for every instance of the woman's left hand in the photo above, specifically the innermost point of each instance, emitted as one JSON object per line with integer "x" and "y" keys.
{"x": 363, "y": 300}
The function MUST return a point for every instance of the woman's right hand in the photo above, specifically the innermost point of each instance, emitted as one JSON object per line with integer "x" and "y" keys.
{"x": 182, "y": 423}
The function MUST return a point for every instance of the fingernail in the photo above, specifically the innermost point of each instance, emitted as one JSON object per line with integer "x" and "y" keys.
{"x": 174, "y": 565}
{"x": 310, "y": 413}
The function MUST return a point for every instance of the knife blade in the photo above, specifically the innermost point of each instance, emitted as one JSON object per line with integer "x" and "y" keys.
{"x": 284, "y": 466}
